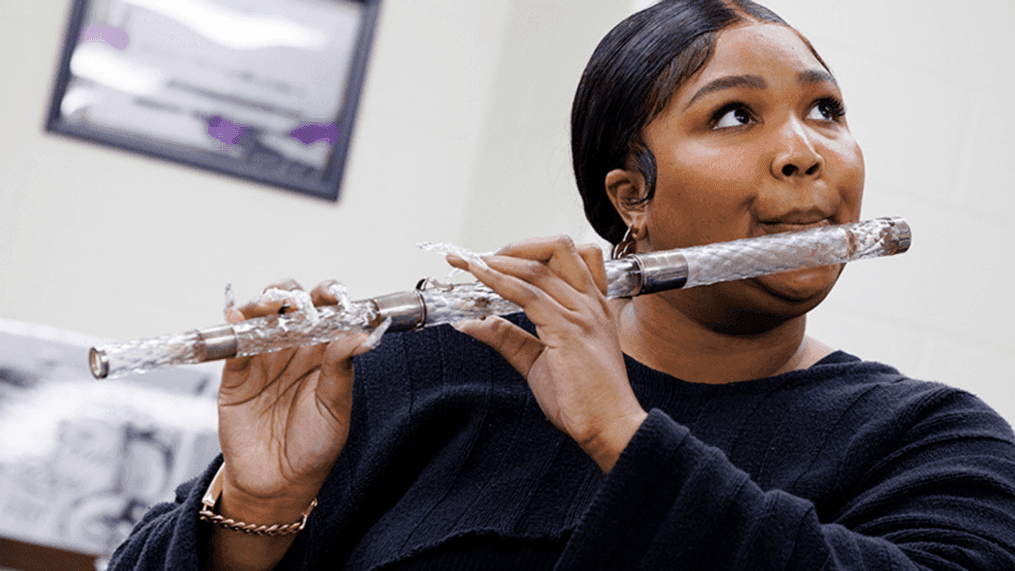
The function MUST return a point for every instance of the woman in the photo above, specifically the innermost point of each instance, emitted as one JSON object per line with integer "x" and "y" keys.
{"x": 724, "y": 439}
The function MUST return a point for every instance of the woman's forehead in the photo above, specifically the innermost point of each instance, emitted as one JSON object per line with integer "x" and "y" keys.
{"x": 754, "y": 51}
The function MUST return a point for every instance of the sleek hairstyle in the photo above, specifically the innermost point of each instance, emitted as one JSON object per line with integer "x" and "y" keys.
{"x": 628, "y": 81}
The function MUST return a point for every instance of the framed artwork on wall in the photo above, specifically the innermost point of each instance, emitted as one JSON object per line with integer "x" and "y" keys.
{"x": 265, "y": 90}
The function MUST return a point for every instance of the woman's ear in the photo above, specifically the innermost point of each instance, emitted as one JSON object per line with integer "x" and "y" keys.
{"x": 626, "y": 189}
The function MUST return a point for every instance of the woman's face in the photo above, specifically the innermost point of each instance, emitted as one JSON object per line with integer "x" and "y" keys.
{"x": 755, "y": 143}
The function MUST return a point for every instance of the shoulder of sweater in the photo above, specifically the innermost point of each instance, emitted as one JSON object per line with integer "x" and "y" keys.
{"x": 840, "y": 382}
{"x": 914, "y": 402}
{"x": 851, "y": 369}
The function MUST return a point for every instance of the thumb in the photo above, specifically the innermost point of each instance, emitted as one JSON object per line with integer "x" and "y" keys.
{"x": 519, "y": 347}
{"x": 338, "y": 354}
{"x": 336, "y": 374}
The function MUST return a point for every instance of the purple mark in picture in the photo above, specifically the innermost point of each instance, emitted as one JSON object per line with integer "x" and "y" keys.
{"x": 310, "y": 133}
{"x": 101, "y": 33}
{"x": 225, "y": 130}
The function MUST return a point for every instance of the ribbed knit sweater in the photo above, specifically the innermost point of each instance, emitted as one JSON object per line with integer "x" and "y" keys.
{"x": 451, "y": 465}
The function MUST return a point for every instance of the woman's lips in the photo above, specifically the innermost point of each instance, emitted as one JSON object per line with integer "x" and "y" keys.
{"x": 780, "y": 226}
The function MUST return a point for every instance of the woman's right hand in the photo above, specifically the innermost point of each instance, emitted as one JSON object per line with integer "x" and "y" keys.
{"x": 283, "y": 418}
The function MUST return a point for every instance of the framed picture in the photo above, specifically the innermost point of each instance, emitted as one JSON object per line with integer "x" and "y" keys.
{"x": 266, "y": 90}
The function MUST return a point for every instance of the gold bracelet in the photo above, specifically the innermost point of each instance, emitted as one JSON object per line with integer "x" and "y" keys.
{"x": 211, "y": 497}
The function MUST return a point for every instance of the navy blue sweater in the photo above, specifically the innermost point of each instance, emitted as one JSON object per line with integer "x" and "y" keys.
{"x": 451, "y": 465}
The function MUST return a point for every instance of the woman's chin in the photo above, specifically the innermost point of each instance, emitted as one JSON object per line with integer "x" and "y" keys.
{"x": 801, "y": 286}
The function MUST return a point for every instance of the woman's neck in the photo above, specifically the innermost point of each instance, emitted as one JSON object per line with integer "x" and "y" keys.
{"x": 659, "y": 335}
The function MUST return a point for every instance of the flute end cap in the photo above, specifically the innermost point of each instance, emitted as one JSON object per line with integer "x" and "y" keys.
{"x": 99, "y": 362}
{"x": 903, "y": 234}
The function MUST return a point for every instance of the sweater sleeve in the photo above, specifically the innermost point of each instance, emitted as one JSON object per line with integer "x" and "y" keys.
{"x": 168, "y": 536}
{"x": 945, "y": 500}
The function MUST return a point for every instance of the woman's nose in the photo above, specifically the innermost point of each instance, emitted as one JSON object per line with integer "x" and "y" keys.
{"x": 797, "y": 158}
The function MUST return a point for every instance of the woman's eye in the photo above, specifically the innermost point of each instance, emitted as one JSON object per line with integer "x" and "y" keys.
{"x": 830, "y": 110}
{"x": 735, "y": 117}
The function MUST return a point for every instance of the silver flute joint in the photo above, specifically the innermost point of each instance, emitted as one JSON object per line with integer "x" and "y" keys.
{"x": 405, "y": 308}
{"x": 216, "y": 343}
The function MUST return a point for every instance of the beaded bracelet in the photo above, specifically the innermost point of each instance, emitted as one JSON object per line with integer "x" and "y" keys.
{"x": 211, "y": 497}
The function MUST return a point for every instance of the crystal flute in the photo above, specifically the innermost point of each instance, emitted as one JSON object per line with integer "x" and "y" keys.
{"x": 425, "y": 306}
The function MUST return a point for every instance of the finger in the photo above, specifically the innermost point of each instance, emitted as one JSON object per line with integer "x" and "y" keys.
{"x": 539, "y": 250}
{"x": 283, "y": 296}
{"x": 303, "y": 361}
{"x": 258, "y": 308}
{"x": 534, "y": 273}
{"x": 287, "y": 284}
{"x": 540, "y": 307}
{"x": 592, "y": 255}
{"x": 517, "y": 346}
{"x": 457, "y": 261}
{"x": 295, "y": 363}
{"x": 289, "y": 291}
{"x": 337, "y": 372}
{"x": 234, "y": 315}
{"x": 229, "y": 310}
{"x": 330, "y": 292}
{"x": 280, "y": 372}
{"x": 540, "y": 279}
{"x": 292, "y": 300}
{"x": 374, "y": 338}
{"x": 238, "y": 364}
{"x": 560, "y": 254}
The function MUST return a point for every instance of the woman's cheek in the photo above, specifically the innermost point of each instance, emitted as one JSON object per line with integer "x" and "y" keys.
{"x": 851, "y": 172}
{"x": 708, "y": 204}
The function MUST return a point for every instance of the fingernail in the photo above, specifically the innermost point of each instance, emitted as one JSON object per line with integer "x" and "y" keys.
{"x": 230, "y": 301}
{"x": 299, "y": 299}
{"x": 467, "y": 255}
{"x": 461, "y": 323}
{"x": 481, "y": 262}
{"x": 341, "y": 295}
{"x": 374, "y": 339}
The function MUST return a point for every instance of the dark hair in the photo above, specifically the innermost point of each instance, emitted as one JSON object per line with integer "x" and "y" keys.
{"x": 631, "y": 76}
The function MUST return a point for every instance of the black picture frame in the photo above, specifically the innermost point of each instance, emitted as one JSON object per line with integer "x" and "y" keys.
{"x": 158, "y": 81}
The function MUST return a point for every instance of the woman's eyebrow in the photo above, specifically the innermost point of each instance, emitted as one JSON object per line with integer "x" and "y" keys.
{"x": 729, "y": 82}
{"x": 816, "y": 76}
{"x": 758, "y": 82}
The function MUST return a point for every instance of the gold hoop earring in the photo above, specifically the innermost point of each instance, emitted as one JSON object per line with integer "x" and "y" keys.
{"x": 626, "y": 245}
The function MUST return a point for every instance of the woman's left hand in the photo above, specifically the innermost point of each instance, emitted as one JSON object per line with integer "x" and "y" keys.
{"x": 575, "y": 367}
